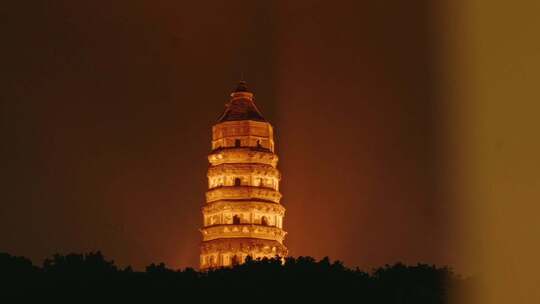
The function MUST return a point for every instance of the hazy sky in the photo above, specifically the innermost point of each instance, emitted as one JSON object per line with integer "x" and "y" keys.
{"x": 107, "y": 110}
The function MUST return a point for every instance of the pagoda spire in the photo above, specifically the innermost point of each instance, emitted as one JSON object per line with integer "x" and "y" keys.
{"x": 241, "y": 106}
{"x": 241, "y": 86}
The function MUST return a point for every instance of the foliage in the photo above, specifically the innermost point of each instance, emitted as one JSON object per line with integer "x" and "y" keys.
{"x": 302, "y": 277}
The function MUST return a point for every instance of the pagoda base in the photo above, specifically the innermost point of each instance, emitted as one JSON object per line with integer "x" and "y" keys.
{"x": 230, "y": 251}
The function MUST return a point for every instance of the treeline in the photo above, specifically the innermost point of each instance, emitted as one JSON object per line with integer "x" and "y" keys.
{"x": 264, "y": 279}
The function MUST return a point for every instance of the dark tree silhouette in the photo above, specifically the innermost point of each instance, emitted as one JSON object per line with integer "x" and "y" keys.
{"x": 301, "y": 277}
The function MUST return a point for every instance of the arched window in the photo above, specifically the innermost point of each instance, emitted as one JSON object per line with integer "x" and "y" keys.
{"x": 236, "y": 219}
{"x": 238, "y": 181}
{"x": 264, "y": 221}
{"x": 237, "y": 143}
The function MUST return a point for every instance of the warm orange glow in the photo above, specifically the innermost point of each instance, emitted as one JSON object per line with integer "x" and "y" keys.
{"x": 242, "y": 215}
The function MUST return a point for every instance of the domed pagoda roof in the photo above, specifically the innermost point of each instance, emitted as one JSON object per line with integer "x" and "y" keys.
{"x": 241, "y": 106}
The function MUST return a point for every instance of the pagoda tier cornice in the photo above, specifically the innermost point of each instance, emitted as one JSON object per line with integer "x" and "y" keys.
{"x": 244, "y": 206}
{"x": 244, "y": 245}
{"x": 243, "y": 231}
{"x": 242, "y": 192}
{"x": 242, "y": 155}
{"x": 244, "y": 169}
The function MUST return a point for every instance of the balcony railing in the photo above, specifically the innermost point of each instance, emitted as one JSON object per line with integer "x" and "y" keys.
{"x": 243, "y": 231}
{"x": 242, "y": 193}
{"x": 242, "y": 155}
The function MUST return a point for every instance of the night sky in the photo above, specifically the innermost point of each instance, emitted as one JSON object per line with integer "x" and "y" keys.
{"x": 107, "y": 110}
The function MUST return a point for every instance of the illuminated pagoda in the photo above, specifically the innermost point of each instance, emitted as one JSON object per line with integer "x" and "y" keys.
{"x": 242, "y": 214}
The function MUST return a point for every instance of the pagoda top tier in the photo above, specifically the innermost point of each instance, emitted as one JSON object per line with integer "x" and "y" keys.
{"x": 241, "y": 106}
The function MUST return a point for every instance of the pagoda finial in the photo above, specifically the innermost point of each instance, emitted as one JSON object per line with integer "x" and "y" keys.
{"x": 241, "y": 87}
